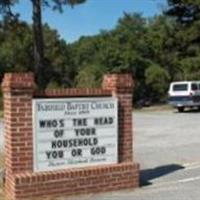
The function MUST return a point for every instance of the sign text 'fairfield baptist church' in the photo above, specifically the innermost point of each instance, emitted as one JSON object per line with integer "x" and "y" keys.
{"x": 75, "y": 132}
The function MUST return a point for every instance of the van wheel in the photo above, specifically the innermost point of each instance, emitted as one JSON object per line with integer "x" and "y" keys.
{"x": 180, "y": 109}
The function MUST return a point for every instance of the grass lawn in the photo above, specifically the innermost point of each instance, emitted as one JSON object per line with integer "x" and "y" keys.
{"x": 1, "y": 184}
{"x": 1, "y": 160}
{"x": 1, "y": 195}
{"x": 154, "y": 108}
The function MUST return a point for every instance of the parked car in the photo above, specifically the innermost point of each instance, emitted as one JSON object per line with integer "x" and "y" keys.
{"x": 184, "y": 94}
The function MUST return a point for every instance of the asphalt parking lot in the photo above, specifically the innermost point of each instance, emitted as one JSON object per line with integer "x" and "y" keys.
{"x": 167, "y": 147}
{"x": 166, "y": 144}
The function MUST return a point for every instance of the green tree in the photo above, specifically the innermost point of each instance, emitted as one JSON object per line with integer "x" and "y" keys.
{"x": 185, "y": 11}
{"x": 90, "y": 76}
{"x": 16, "y": 53}
{"x": 58, "y": 55}
{"x": 187, "y": 15}
{"x": 157, "y": 79}
{"x": 163, "y": 45}
{"x": 5, "y": 8}
{"x": 16, "y": 47}
{"x": 117, "y": 51}
{"x": 122, "y": 47}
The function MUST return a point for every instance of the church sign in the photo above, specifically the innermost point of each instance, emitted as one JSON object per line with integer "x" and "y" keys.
{"x": 74, "y": 132}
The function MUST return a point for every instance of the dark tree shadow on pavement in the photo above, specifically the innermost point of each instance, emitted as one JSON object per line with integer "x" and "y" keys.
{"x": 189, "y": 110}
{"x": 149, "y": 174}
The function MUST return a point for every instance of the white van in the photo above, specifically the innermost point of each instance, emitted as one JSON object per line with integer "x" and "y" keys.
{"x": 184, "y": 94}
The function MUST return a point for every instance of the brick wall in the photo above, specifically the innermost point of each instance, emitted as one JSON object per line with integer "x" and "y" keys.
{"x": 122, "y": 87}
{"x": 22, "y": 182}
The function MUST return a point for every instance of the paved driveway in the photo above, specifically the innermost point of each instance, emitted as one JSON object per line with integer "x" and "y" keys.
{"x": 162, "y": 138}
{"x": 167, "y": 147}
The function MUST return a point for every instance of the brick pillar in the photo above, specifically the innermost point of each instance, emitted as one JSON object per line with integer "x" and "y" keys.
{"x": 18, "y": 91}
{"x": 121, "y": 86}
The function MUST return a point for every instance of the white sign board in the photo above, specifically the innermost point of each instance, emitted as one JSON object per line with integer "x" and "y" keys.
{"x": 75, "y": 132}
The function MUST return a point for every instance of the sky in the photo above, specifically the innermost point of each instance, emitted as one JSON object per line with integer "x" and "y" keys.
{"x": 91, "y": 17}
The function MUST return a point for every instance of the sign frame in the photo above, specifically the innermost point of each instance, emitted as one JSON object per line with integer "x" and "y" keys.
{"x": 36, "y": 167}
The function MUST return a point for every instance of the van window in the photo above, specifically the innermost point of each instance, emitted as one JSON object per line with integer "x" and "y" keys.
{"x": 194, "y": 86}
{"x": 180, "y": 87}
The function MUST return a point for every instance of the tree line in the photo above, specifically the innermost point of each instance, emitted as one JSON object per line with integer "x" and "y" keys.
{"x": 156, "y": 51}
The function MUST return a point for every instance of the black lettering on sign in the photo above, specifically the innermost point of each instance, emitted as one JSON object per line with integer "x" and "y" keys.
{"x": 74, "y": 143}
{"x": 80, "y": 122}
{"x": 85, "y": 131}
{"x": 53, "y": 144}
{"x": 59, "y": 144}
{"x": 42, "y": 124}
{"x": 76, "y": 152}
{"x": 51, "y": 123}
{"x": 98, "y": 150}
{"x": 103, "y": 121}
{"x": 58, "y": 133}
{"x": 54, "y": 154}
{"x": 61, "y": 122}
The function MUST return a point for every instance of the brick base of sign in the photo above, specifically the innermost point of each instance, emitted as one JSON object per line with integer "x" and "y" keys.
{"x": 73, "y": 181}
{"x": 21, "y": 182}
